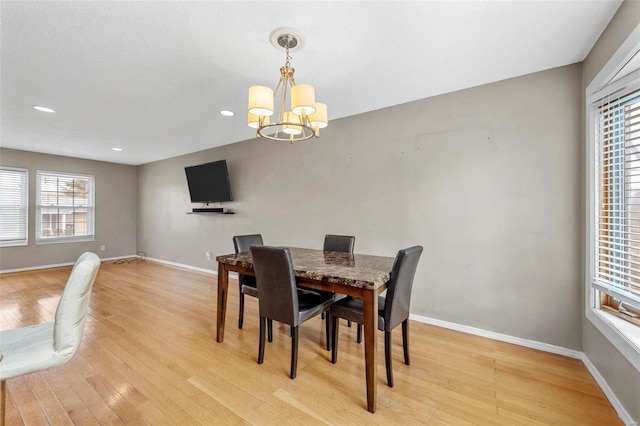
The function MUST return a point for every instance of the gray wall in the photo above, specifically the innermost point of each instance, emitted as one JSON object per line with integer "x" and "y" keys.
{"x": 620, "y": 375}
{"x": 486, "y": 179}
{"x": 116, "y": 201}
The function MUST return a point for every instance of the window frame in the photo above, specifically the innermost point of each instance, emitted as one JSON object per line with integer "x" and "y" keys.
{"x": 623, "y": 335}
{"x": 90, "y": 236}
{"x": 25, "y": 196}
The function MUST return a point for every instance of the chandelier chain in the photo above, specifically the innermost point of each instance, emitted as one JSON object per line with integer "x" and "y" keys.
{"x": 287, "y": 62}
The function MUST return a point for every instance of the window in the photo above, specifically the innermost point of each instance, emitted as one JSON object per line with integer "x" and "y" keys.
{"x": 14, "y": 204}
{"x": 65, "y": 207}
{"x": 617, "y": 200}
{"x": 612, "y": 292}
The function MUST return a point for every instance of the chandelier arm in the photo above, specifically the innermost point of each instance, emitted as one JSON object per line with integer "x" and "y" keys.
{"x": 278, "y": 86}
{"x": 283, "y": 100}
{"x": 278, "y": 113}
{"x": 283, "y": 97}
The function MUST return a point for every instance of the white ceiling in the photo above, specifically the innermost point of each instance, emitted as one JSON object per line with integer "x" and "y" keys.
{"x": 150, "y": 77}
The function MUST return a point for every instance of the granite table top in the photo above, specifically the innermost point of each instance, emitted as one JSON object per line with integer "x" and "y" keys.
{"x": 354, "y": 270}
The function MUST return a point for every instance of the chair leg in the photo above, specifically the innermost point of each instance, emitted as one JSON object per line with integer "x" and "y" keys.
{"x": 241, "y": 309}
{"x": 387, "y": 357}
{"x": 327, "y": 325}
{"x": 3, "y": 400}
{"x": 263, "y": 323}
{"x": 405, "y": 340}
{"x": 359, "y": 334}
{"x": 270, "y": 329}
{"x": 335, "y": 322}
{"x": 294, "y": 352}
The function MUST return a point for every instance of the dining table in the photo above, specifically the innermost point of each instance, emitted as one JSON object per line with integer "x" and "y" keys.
{"x": 357, "y": 275}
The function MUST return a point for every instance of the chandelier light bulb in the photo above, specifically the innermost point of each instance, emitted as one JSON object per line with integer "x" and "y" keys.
{"x": 253, "y": 120}
{"x": 291, "y": 124}
{"x": 319, "y": 118}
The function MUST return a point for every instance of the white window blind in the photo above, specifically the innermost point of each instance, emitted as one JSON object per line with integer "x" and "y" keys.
{"x": 14, "y": 205}
{"x": 65, "y": 207}
{"x": 617, "y": 167}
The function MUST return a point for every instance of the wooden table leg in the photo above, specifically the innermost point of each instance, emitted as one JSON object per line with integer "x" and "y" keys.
{"x": 370, "y": 308}
{"x": 223, "y": 287}
{"x": 3, "y": 401}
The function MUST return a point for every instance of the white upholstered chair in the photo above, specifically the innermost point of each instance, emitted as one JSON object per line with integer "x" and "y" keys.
{"x": 39, "y": 347}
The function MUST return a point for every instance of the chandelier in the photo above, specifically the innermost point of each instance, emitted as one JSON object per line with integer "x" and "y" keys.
{"x": 304, "y": 118}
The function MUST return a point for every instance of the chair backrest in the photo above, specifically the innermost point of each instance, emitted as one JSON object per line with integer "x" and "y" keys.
{"x": 71, "y": 313}
{"x": 242, "y": 243}
{"x": 398, "y": 299}
{"x": 276, "y": 280}
{"x": 343, "y": 243}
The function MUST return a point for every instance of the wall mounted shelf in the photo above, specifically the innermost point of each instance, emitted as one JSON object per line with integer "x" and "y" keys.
{"x": 211, "y": 212}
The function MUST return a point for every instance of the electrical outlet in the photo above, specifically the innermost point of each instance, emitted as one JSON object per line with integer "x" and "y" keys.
{"x": 103, "y": 248}
{"x": 207, "y": 254}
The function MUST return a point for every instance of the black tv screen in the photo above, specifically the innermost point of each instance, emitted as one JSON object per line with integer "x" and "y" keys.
{"x": 208, "y": 182}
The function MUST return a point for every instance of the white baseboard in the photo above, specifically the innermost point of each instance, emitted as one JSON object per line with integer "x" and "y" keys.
{"x": 193, "y": 268}
{"x": 108, "y": 259}
{"x": 622, "y": 413}
{"x": 501, "y": 337}
{"x": 58, "y": 265}
{"x": 182, "y": 265}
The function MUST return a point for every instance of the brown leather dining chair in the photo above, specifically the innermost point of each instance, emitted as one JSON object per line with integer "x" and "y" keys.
{"x": 393, "y": 309}
{"x": 342, "y": 244}
{"x": 280, "y": 299}
{"x": 247, "y": 283}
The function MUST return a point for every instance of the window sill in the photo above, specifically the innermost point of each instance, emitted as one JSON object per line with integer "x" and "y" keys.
{"x": 65, "y": 240}
{"x": 21, "y": 243}
{"x": 624, "y": 335}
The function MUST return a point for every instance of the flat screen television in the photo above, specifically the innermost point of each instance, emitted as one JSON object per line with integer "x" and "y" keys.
{"x": 209, "y": 182}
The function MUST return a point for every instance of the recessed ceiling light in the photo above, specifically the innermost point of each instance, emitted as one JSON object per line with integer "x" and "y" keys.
{"x": 43, "y": 108}
{"x": 117, "y": 149}
{"x": 227, "y": 113}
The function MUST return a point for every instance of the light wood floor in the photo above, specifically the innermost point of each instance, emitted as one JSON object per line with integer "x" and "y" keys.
{"x": 149, "y": 356}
